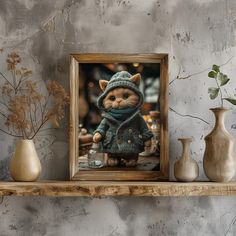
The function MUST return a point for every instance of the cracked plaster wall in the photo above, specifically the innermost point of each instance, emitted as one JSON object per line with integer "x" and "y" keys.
{"x": 195, "y": 33}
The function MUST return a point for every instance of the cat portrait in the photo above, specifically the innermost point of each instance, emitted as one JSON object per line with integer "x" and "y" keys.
{"x": 119, "y": 117}
{"x": 123, "y": 133}
{"x": 120, "y": 98}
{"x": 118, "y": 105}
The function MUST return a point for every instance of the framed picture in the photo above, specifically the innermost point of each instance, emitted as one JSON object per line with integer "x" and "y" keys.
{"x": 119, "y": 117}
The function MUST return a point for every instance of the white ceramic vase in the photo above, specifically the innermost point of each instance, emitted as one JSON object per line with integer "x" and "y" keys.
{"x": 25, "y": 164}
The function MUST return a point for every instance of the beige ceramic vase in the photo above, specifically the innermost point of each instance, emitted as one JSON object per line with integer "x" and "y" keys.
{"x": 186, "y": 169}
{"x": 219, "y": 158}
{"x": 25, "y": 164}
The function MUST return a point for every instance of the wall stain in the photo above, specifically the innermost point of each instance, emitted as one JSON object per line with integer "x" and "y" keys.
{"x": 184, "y": 37}
{"x": 31, "y": 209}
{"x": 13, "y": 227}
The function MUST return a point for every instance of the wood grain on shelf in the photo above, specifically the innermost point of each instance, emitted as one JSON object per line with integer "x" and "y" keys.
{"x": 99, "y": 188}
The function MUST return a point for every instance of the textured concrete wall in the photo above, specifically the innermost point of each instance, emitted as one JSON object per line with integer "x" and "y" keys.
{"x": 195, "y": 33}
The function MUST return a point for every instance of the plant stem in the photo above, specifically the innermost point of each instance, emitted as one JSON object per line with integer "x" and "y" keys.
{"x": 41, "y": 110}
{"x": 41, "y": 125}
{"x": 13, "y": 135}
{"x": 42, "y": 130}
{"x": 221, "y": 96}
{"x": 5, "y": 105}
{"x": 31, "y": 119}
{"x": 1, "y": 113}
{"x": 14, "y": 79}
{"x": 18, "y": 85}
{"x": 6, "y": 79}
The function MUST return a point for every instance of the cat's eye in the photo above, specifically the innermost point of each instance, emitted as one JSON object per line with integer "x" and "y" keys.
{"x": 126, "y": 95}
{"x": 112, "y": 98}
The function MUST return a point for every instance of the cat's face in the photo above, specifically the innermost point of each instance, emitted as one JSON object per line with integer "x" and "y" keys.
{"x": 120, "y": 98}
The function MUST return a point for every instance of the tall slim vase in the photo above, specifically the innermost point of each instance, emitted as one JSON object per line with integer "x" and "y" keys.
{"x": 219, "y": 157}
{"x": 25, "y": 164}
{"x": 186, "y": 169}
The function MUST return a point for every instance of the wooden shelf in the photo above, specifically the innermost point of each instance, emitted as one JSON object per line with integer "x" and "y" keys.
{"x": 95, "y": 189}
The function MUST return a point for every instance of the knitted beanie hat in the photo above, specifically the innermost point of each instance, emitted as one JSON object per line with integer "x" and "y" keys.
{"x": 120, "y": 80}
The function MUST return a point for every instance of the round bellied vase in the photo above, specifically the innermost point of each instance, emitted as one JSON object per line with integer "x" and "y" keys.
{"x": 25, "y": 164}
{"x": 219, "y": 157}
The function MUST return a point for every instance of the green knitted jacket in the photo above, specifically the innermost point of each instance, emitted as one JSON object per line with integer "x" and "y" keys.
{"x": 125, "y": 137}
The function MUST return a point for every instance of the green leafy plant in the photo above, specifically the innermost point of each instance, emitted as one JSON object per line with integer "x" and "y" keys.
{"x": 221, "y": 80}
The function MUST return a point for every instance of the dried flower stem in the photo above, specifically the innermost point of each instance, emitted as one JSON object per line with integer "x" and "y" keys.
{"x": 6, "y": 80}
{"x": 18, "y": 85}
{"x": 14, "y": 135}
{"x": 2, "y": 103}
{"x": 3, "y": 114}
{"x": 14, "y": 79}
{"x": 25, "y": 109}
{"x": 31, "y": 120}
{"x": 41, "y": 125}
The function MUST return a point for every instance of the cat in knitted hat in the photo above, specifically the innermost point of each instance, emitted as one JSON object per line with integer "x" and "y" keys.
{"x": 123, "y": 133}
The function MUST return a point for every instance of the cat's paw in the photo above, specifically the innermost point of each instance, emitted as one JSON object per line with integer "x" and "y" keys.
{"x": 97, "y": 137}
{"x": 113, "y": 161}
{"x": 148, "y": 143}
{"x": 129, "y": 162}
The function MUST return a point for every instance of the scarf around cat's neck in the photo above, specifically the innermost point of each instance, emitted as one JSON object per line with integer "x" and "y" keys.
{"x": 122, "y": 114}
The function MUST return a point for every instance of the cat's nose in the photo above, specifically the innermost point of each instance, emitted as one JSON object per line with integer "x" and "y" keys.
{"x": 119, "y": 100}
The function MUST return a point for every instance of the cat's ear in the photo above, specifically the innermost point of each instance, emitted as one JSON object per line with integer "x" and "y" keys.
{"x": 136, "y": 79}
{"x": 103, "y": 84}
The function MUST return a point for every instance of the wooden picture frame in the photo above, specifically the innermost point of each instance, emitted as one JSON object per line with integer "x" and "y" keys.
{"x": 118, "y": 175}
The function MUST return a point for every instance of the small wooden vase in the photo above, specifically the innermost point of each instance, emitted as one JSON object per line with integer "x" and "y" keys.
{"x": 25, "y": 164}
{"x": 186, "y": 169}
{"x": 219, "y": 157}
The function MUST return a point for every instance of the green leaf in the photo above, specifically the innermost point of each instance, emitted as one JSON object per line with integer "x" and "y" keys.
{"x": 223, "y": 79}
{"x": 231, "y": 100}
{"x": 212, "y": 74}
{"x": 213, "y": 92}
{"x": 216, "y": 68}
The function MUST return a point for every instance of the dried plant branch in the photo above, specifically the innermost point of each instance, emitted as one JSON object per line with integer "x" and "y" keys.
{"x": 51, "y": 128}
{"x": 6, "y": 79}
{"x": 35, "y": 112}
{"x": 14, "y": 135}
{"x": 4, "y": 115}
{"x": 18, "y": 85}
{"x": 14, "y": 79}
{"x": 46, "y": 104}
{"x": 31, "y": 120}
{"x": 41, "y": 110}
{"x": 27, "y": 109}
{"x": 41, "y": 125}
{"x": 5, "y": 105}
